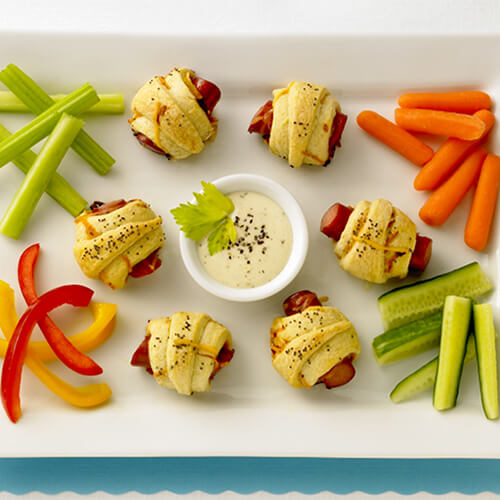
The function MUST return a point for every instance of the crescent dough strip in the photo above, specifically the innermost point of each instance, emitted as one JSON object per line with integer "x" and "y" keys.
{"x": 303, "y": 105}
{"x": 307, "y": 345}
{"x": 185, "y": 333}
{"x": 133, "y": 211}
{"x": 318, "y": 147}
{"x": 115, "y": 274}
{"x": 166, "y": 110}
{"x": 151, "y": 129}
{"x": 109, "y": 245}
{"x": 303, "y": 115}
{"x": 188, "y": 103}
{"x": 278, "y": 139}
{"x": 159, "y": 330}
{"x": 214, "y": 336}
{"x": 183, "y": 349}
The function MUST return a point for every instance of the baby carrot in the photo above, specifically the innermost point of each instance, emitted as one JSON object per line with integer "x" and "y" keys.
{"x": 395, "y": 137}
{"x": 477, "y": 230}
{"x": 449, "y": 155}
{"x": 429, "y": 121}
{"x": 445, "y": 199}
{"x": 459, "y": 102}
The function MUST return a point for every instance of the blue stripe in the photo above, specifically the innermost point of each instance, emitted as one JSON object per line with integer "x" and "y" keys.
{"x": 246, "y": 475}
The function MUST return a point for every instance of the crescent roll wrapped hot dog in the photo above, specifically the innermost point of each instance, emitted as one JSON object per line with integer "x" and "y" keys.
{"x": 376, "y": 241}
{"x": 118, "y": 239}
{"x": 303, "y": 124}
{"x": 172, "y": 115}
{"x": 185, "y": 351}
{"x": 313, "y": 344}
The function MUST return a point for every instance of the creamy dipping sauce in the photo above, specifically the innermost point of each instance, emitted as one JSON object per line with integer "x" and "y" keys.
{"x": 262, "y": 248}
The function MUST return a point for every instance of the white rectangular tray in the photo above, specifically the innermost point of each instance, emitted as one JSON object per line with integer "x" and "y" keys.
{"x": 250, "y": 411}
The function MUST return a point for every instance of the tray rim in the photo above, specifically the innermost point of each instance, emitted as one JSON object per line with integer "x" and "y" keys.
{"x": 244, "y": 37}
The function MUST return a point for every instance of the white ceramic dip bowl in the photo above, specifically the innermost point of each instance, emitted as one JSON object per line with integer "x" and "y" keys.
{"x": 277, "y": 193}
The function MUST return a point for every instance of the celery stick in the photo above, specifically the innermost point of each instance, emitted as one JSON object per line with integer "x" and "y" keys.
{"x": 38, "y": 177}
{"x": 42, "y": 125}
{"x": 37, "y": 100}
{"x": 109, "y": 104}
{"x": 59, "y": 188}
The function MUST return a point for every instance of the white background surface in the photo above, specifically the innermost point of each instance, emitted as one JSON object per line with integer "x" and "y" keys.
{"x": 255, "y": 16}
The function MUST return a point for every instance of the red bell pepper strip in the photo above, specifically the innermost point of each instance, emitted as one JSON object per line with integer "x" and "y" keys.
{"x": 59, "y": 343}
{"x": 75, "y": 295}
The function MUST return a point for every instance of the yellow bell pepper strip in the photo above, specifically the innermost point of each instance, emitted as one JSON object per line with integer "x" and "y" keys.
{"x": 8, "y": 315}
{"x": 87, "y": 340}
{"x": 85, "y": 396}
